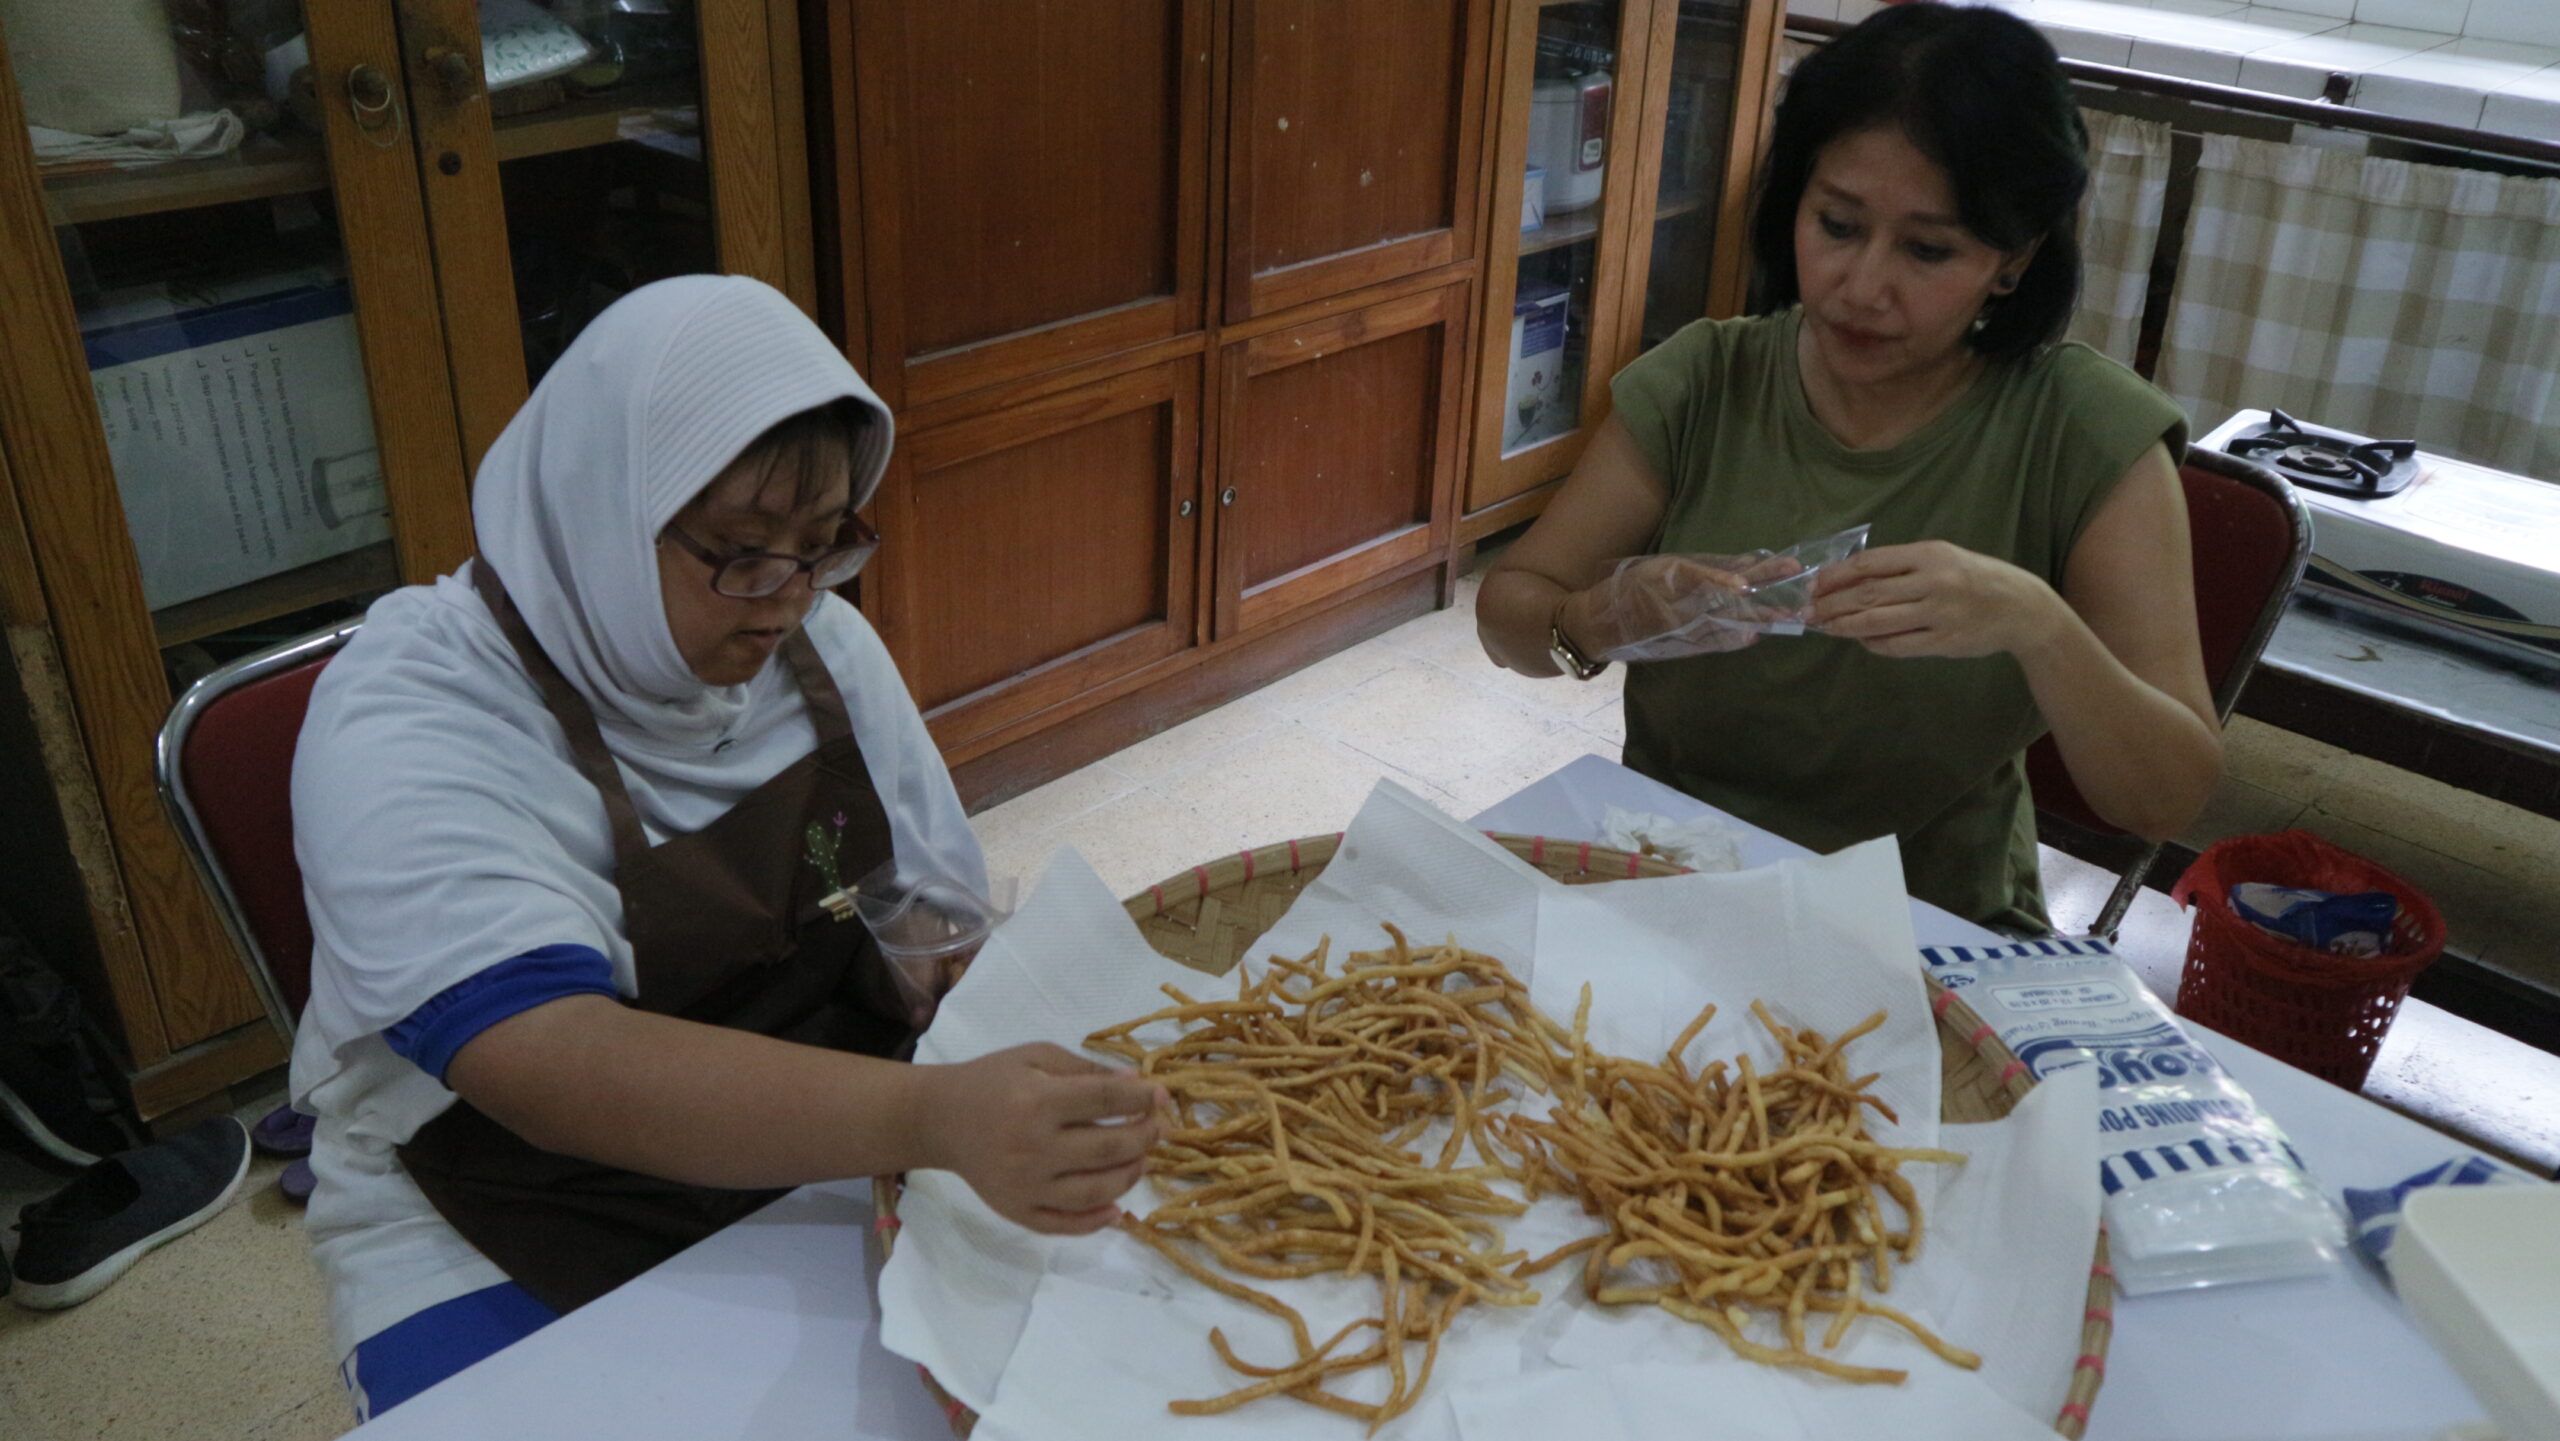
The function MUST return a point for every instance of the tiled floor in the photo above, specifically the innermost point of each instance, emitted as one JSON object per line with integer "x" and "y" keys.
{"x": 219, "y": 1335}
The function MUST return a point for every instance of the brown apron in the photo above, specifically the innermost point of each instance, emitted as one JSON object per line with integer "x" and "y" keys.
{"x": 725, "y": 929}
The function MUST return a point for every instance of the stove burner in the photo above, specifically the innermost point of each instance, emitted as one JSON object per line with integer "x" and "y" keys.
{"x": 2344, "y": 464}
{"x": 2311, "y": 460}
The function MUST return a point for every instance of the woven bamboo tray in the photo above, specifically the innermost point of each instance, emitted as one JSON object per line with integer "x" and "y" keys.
{"x": 1211, "y": 915}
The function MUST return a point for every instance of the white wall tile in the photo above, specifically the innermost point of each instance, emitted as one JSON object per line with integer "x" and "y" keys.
{"x": 2483, "y": 65}
{"x": 2073, "y": 43}
{"x": 2530, "y": 22}
{"x": 2170, "y": 27}
{"x": 2214, "y": 67}
{"x": 2198, "y": 7}
{"x": 2102, "y": 16}
{"x": 1854, "y": 11}
{"x": 2444, "y": 15}
{"x": 2536, "y": 117}
{"x": 2418, "y": 99}
{"x": 2248, "y": 31}
{"x": 2333, "y": 9}
{"x": 2356, "y": 49}
{"x": 2284, "y": 20}
{"x": 2283, "y": 77}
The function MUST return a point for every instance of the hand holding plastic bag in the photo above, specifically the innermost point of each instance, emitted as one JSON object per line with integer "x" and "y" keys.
{"x": 928, "y": 928}
{"x": 1664, "y": 607}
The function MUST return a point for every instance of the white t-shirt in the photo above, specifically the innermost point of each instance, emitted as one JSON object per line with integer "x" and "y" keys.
{"x": 443, "y": 828}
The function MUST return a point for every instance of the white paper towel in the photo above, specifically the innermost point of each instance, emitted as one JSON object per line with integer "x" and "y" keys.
{"x": 1091, "y": 1337}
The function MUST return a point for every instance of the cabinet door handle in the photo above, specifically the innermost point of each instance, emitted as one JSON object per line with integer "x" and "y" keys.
{"x": 455, "y": 72}
{"x": 1185, "y": 512}
{"x": 376, "y": 105}
{"x": 1227, "y": 496}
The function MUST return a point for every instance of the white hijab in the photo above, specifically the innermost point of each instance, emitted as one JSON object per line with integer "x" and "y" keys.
{"x": 652, "y": 400}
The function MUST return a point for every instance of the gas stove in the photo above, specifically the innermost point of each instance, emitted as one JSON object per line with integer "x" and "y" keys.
{"x": 2465, "y": 550}
{"x": 2329, "y": 460}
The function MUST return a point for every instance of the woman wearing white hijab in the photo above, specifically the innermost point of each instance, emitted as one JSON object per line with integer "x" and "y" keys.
{"x": 572, "y": 1004}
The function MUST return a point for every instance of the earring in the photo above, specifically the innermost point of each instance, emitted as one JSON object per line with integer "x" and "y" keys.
{"x": 1982, "y": 320}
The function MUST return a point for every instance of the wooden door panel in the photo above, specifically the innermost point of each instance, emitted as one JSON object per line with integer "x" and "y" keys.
{"x": 1046, "y": 548}
{"x": 1341, "y": 445}
{"x": 1035, "y": 182}
{"x": 1355, "y": 130}
{"x": 1336, "y": 452}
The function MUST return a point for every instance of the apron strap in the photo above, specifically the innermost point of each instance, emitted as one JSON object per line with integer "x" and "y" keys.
{"x": 817, "y": 688}
{"x": 586, "y": 742}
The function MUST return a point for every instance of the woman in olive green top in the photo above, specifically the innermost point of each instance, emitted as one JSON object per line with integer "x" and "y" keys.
{"x": 2027, "y": 563}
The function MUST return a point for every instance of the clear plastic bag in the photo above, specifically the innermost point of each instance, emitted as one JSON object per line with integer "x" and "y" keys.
{"x": 1663, "y": 607}
{"x": 2202, "y": 1187}
{"x": 928, "y": 928}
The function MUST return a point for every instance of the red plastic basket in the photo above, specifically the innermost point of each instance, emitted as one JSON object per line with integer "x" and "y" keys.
{"x": 2324, "y": 1013}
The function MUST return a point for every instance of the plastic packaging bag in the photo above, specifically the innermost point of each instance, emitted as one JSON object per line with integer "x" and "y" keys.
{"x": 928, "y": 927}
{"x": 1704, "y": 844}
{"x": 1666, "y": 607}
{"x": 2202, "y": 1188}
{"x": 2356, "y": 925}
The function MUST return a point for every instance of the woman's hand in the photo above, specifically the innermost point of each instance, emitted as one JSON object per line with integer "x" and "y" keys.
{"x": 1049, "y": 1139}
{"x": 1664, "y": 607}
{"x": 1935, "y": 599}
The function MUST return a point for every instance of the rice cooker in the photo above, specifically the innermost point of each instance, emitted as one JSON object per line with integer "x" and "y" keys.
{"x": 1569, "y": 138}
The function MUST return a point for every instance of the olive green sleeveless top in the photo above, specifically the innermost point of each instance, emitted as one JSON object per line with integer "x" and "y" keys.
{"x": 1811, "y": 736}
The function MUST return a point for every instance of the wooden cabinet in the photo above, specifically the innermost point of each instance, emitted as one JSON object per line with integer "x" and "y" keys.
{"x": 1352, "y": 146}
{"x": 1196, "y": 317}
{"x": 1086, "y": 504}
{"x": 1642, "y": 119}
{"x": 1172, "y": 299}
{"x": 1342, "y": 449}
{"x": 1029, "y": 186}
{"x": 241, "y": 395}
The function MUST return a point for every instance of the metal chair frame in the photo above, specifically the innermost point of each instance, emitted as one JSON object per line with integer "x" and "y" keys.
{"x": 2235, "y": 676}
{"x": 199, "y": 698}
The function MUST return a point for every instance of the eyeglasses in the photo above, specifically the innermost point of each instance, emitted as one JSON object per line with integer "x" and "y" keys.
{"x": 755, "y": 574}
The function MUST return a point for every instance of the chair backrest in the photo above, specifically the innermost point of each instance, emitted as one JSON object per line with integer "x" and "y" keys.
{"x": 2250, "y": 538}
{"x": 226, "y": 776}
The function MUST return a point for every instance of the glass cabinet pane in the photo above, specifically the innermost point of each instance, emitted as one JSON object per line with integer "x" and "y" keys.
{"x": 597, "y": 108}
{"x": 1696, "y": 129}
{"x": 191, "y": 204}
{"x": 1569, "y": 160}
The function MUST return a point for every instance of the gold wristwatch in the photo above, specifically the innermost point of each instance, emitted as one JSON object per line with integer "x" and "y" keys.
{"x": 1567, "y": 655}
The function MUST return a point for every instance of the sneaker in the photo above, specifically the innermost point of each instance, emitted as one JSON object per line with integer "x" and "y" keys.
{"x": 80, "y": 1238}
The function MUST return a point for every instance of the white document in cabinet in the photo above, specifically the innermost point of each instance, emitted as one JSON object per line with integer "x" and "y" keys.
{"x": 241, "y": 431}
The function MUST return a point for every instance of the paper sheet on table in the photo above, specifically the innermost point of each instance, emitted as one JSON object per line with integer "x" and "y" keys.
{"x": 1090, "y": 1337}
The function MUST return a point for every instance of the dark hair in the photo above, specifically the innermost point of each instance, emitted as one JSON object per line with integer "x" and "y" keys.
{"x": 1980, "y": 92}
{"x": 813, "y": 447}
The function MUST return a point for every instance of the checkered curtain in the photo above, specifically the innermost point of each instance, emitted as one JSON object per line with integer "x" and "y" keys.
{"x": 2378, "y": 296}
{"x": 2119, "y": 229}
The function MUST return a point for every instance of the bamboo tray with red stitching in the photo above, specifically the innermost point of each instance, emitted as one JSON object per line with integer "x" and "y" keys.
{"x": 1210, "y": 916}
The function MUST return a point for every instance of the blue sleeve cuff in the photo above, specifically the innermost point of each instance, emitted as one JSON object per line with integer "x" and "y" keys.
{"x": 448, "y": 1020}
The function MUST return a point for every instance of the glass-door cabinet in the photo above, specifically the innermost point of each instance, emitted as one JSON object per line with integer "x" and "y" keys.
{"x": 274, "y": 278}
{"x": 1623, "y": 143}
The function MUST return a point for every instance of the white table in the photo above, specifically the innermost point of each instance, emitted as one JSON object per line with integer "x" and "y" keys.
{"x": 767, "y": 1330}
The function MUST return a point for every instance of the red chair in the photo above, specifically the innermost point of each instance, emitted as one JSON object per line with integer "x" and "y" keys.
{"x": 2250, "y": 537}
{"x": 226, "y": 772}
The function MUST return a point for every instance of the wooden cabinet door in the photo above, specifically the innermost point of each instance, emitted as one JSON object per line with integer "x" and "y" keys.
{"x": 1353, "y": 138}
{"x": 1033, "y": 185}
{"x": 1042, "y": 551}
{"x": 1338, "y": 445}
{"x": 226, "y": 414}
{"x": 550, "y": 199}
{"x": 1651, "y": 237}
